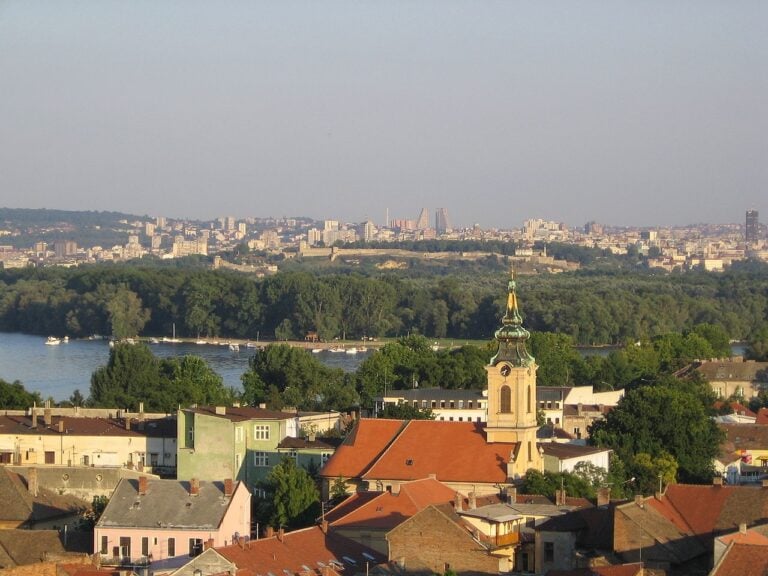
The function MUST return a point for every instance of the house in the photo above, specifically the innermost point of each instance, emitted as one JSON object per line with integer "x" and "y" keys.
{"x": 734, "y": 376}
{"x": 742, "y": 553}
{"x": 148, "y": 520}
{"x": 677, "y": 529}
{"x": 467, "y": 456}
{"x": 26, "y": 505}
{"x": 582, "y": 538}
{"x": 306, "y": 552}
{"x": 243, "y": 442}
{"x": 32, "y": 547}
{"x": 744, "y": 453}
{"x": 562, "y": 457}
{"x": 311, "y": 452}
{"x": 367, "y": 517}
{"x": 451, "y": 405}
{"x": 148, "y": 445}
{"x": 435, "y": 541}
{"x": 552, "y": 401}
{"x": 577, "y": 418}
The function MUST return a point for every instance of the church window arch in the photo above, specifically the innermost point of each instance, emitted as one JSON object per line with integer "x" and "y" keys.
{"x": 505, "y": 400}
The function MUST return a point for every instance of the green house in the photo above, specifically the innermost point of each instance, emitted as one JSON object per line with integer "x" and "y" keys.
{"x": 238, "y": 442}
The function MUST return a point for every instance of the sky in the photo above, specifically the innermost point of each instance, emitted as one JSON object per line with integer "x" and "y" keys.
{"x": 635, "y": 113}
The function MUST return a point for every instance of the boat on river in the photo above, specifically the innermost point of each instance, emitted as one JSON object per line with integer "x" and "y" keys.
{"x": 52, "y": 341}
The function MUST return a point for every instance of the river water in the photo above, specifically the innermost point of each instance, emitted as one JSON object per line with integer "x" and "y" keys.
{"x": 57, "y": 371}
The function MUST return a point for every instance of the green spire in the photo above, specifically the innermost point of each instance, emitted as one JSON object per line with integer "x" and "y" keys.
{"x": 511, "y": 336}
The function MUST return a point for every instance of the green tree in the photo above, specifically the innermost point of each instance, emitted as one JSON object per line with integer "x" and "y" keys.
{"x": 292, "y": 499}
{"x": 89, "y": 518}
{"x": 757, "y": 347}
{"x": 667, "y": 417}
{"x": 405, "y": 411}
{"x": 13, "y": 396}
{"x": 126, "y": 315}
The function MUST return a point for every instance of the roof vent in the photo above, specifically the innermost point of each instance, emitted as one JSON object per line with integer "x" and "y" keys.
{"x": 409, "y": 462}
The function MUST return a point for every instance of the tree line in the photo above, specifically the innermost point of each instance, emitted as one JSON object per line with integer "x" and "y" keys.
{"x": 592, "y": 307}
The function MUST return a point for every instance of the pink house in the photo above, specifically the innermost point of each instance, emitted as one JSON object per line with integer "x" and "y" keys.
{"x": 150, "y": 520}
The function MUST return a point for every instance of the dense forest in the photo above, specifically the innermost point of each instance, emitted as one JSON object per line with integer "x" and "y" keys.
{"x": 592, "y": 307}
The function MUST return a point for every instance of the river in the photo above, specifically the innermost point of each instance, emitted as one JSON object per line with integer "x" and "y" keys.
{"x": 57, "y": 371}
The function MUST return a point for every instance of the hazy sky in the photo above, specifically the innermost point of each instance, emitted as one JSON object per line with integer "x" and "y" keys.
{"x": 635, "y": 112}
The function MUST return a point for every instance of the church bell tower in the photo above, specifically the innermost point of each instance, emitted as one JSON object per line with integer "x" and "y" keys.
{"x": 511, "y": 377}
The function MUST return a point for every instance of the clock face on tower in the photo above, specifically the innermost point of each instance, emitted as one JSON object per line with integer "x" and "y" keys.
{"x": 506, "y": 370}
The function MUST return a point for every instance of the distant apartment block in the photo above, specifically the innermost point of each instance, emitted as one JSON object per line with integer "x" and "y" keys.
{"x": 752, "y": 227}
{"x": 182, "y": 247}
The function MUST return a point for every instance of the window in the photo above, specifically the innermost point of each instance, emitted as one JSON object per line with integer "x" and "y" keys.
{"x": 424, "y": 404}
{"x": 452, "y": 406}
{"x": 145, "y": 546}
{"x": 528, "y": 403}
{"x": 530, "y": 453}
{"x": 549, "y": 551}
{"x": 191, "y": 437}
{"x": 239, "y": 434}
{"x": 261, "y": 431}
{"x": 104, "y": 544}
{"x": 195, "y": 546}
{"x": 450, "y": 418}
{"x": 293, "y": 454}
{"x": 461, "y": 403}
{"x": 125, "y": 547}
{"x": 259, "y": 492}
{"x": 238, "y": 461}
{"x": 505, "y": 400}
{"x": 442, "y": 403}
{"x": 461, "y": 418}
{"x": 260, "y": 459}
{"x": 469, "y": 404}
{"x": 324, "y": 456}
{"x": 50, "y": 457}
{"x": 171, "y": 547}
{"x": 154, "y": 459}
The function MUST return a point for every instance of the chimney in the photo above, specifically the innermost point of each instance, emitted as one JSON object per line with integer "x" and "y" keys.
{"x": 312, "y": 436}
{"x": 395, "y": 489}
{"x": 559, "y": 497}
{"x": 141, "y": 411}
{"x": 208, "y": 544}
{"x": 47, "y": 416}
{"x": 142, "y": 485}
{"x": 511, "y": 494}
{"x": 241, "y": 542}
{"x": 228, "y": 487}
{"x": 221, "y": 410}
{"x": 743, "y": 528}
{"x": 270, "y": 532}
{"x": 717, "y": 480}
{"x": 32, "y": 481}
{"x": 458, "y": 502}
{"x": 263, "y": 406}
{"x": 61, "y": 425}
{"x": 639, "y": 500}
{"x": 194, "y": 487}
{"x": 34, "y": 416}
{"x": 472, "y": 500}
{"x": 280, "y": 534}
{"x": 324, "y": 526}
{"x": 604, "y": 496}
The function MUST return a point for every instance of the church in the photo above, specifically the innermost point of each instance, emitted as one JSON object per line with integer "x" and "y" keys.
{"x": 476, "y": 457}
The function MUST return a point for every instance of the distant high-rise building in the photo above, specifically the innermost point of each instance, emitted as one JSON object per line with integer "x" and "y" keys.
{"x": 423, "y": 222}
{"x": 160, "y": 221}
{"x": 752, "y": 229}
{"x": 442, "y": 223}
{"x": 65, "y": 248}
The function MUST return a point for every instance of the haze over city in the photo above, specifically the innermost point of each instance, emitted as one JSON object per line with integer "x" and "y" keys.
{"x": 621, "y": 112}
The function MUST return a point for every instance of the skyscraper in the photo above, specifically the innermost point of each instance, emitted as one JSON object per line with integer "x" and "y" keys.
{"x": 752, "y": 228}
{"x": 442, "y": 223}
{"x": 423, "y": 222}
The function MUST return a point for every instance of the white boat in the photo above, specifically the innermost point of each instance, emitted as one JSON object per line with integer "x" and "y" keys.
{"x": 336, "y": 349}
{"x": 65, "y": 340}
{"x": 352, "y": 350}
{"x": 201, "y": 342}
{"x": 154, "y": 341}
{"x": 250, "y": 345}
{"x": 316, "y": 350}
{"x": 52, "y": 341}
{"x": 234, "y": 347}
{"x": 363, "y": 349}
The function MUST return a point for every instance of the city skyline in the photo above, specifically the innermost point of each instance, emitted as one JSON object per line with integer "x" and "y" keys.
{"x": 618, "y": 113}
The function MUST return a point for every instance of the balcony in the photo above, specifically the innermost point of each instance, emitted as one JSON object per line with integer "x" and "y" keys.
{"x": 510, "y": 539}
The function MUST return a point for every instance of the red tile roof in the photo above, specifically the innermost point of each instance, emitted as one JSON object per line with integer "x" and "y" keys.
{"x": 86, "y": 426}
{"x": 299, "y": 549}
{"x": 453, "y": 451}
{"x": 743, "y": 560}
{"x": 388, "y": 510}
{"x": 737, "y": 408}
{"x": 361, "y": 447}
